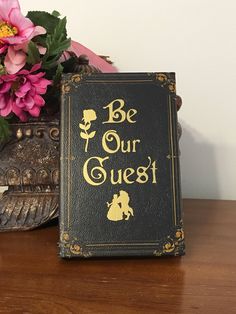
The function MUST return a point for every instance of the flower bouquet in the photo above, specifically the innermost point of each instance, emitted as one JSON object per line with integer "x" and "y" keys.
{"x": 34, "y": 52}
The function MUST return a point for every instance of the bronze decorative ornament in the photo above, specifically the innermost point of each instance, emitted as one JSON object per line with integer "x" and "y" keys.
{"x": 29, "y": 166}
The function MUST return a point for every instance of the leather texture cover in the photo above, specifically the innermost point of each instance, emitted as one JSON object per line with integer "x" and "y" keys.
{"x": 120, "y": 180}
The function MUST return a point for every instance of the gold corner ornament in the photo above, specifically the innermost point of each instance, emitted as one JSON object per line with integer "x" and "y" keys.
{"x": 168, "y": 247}
{"x": 166, "y": 82}
{"x": 65, "y": 88}
{"x": 76, "y": 249}
{"x": 119, "y": 208}
{"x": 171, "y": 244}
{"x": 161, "y": 77}
{"x": 76, "y": 78}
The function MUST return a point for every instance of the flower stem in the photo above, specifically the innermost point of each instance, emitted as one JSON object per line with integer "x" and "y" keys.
{"x": 4, "y": 130}
{"x": 86, "y": 145}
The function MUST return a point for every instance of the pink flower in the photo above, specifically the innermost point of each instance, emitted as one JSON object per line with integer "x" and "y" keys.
{"x": 3, "y": 48}
{"x": 15, "y": 32}
{"x": 14, "y": 60}
{"x": 15, "y": 29}
{"x": 16, "y": 54}
{"x": 20, "y": 93}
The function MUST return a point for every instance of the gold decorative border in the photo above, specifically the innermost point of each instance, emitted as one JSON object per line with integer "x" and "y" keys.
{"x": 120, "y": 81}
{"x": 69, "y": 181}
{"x": 172, "y": 157}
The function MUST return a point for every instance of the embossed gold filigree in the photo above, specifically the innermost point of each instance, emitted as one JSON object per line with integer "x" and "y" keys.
{"x": 76, "y": 78}
{"x": 76, "y": 249}
{"x": 171, "y": 87}
{"x": 65, "y": 237}
{"x": 172, "y": 244}
{"x": 161, "y": 77}
{"x": 168, "y": 247}
{"x": 65, "y": 88}
{"x": 179, "y": 235}
{"x": 166, "y": 81}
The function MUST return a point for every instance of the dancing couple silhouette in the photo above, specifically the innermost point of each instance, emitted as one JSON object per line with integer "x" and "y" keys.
{"x": 119, "y": 208}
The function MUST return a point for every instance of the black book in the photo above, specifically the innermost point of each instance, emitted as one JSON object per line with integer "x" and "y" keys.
{"x": 120, "y": 180}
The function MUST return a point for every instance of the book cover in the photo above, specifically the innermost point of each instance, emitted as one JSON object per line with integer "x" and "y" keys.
{"x": 119, "y": 175}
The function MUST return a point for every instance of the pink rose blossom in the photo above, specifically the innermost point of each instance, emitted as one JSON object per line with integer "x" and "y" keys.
{"x": 21, "y": 93}
{"x": 15, "y": 29}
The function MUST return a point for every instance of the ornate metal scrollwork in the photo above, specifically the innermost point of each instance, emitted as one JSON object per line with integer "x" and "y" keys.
{"x": 30, "y": 167}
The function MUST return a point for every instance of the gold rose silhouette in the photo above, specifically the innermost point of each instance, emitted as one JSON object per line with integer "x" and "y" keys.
{"x": 88, "y": 116}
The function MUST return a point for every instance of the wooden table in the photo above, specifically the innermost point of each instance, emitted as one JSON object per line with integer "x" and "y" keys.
{"x": 33, "y": 279}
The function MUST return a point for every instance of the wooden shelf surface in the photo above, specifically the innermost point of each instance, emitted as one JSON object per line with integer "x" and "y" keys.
{"x": 33, "y": 279}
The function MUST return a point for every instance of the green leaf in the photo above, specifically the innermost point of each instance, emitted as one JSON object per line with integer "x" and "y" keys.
{"x": 40, "y": 40}
{"x": 44, "y": 19}
{"x": 4, "y": 130}
{"x": 2, "y": 69}
{"x": 56, "y": 13}
{"x": 50, "y": 63}
{"x": 33, "y": 53}
{"x": 57, "y": 76}
{"x": 56, "y": 43}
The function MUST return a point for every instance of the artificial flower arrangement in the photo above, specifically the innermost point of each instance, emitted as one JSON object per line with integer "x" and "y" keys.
{"x": 34, "y": 52}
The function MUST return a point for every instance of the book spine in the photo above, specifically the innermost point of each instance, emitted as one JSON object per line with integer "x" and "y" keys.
{"x": 177, "y": 177}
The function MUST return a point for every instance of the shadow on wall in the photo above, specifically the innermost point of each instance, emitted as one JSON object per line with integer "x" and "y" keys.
{"x": 198, "y": 165}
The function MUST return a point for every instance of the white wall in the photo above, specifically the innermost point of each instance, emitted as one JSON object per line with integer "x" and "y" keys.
{"x": 194, "y": 38}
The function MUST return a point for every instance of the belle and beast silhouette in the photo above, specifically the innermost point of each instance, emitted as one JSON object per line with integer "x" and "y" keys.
{"x": 119, "y": 208}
